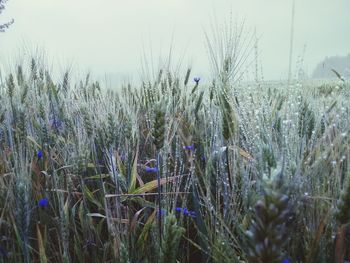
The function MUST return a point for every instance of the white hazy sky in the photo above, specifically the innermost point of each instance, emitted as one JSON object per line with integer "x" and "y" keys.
{"x": 108, "y": 36}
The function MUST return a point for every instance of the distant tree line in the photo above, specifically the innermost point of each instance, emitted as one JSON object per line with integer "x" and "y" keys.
{"x": 6, "y": 25}
{"x": 331, "y": 66}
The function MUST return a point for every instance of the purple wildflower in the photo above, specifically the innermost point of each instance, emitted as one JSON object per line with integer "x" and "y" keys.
{"x": 40, "y": 154}
{"x": 186, "y": 212}
{"x": 285, "y": 260}
{"x": 197, "y": 79}
{"x": 44, "y": 202}
{"x": 189, "y": 147}
{"x": 151, "y": 169}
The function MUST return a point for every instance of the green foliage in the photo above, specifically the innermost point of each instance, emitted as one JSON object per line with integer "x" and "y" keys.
{"x": 306, "y": 121}
{"x": 108, "y": 160}
{"x": 171, "y": 240}
{"x": 159, "y": 128}
{"x": 343, "y": 214}
{"x": 268, "y": 232}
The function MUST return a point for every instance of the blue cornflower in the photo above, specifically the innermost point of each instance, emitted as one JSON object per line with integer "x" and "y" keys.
{"x": 40, "y": 154}
{"x": 178, "y": 209}
{"x": 185, "y": 211}
{"x": 43, "y": 202}
{"x": 285, "y": 260}
{"x": 197, "y": 79}
{"x": 189, "y": 147}
{"x": 151, "y": 169}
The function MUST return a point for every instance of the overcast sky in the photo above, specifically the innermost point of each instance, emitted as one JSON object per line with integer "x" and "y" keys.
{"x": 109, "y": 36}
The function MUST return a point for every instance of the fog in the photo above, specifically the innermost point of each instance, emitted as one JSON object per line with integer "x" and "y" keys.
{"x": 109, "y": 37}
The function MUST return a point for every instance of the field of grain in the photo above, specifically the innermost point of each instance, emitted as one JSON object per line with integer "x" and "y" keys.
{"x": 173, "y": 170}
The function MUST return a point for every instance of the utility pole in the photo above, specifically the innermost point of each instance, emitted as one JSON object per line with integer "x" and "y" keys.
{"x": 291, "y": 44}
{"x": 256, "y": 57}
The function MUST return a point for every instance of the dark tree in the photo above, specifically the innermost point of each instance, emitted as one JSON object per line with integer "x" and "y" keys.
{"x": 4, "y": 26}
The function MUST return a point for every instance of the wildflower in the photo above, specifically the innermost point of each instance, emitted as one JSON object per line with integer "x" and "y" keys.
{"x": 285, "y": 260}
{"x": 197, "y": 79}
{"x": 43, "y": 202}
{"x": 40, "y": 154}
{"x": 151, "y": 169}
{"x": 189, "y": 147}
{"x": 186, "y": 212}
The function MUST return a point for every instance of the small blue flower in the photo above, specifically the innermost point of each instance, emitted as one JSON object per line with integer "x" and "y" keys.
{"x": 285, "y": 260}
{"x": 189, "y": 147}
{"x": 44, "y": 202}
{"x": 151, "y": 169}
{"x": 185, "y": 211}
{"x": 197, "y": 79}
{"x": 40, "y": 154}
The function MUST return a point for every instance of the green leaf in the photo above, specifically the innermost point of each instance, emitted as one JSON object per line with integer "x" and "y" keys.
{"x": 98, "y": 176}
{"x": 121, "y": 166}
{"x": 95, "y": 215}
{"x": 154, "y": 184}
{"x": 90, "y": 197}
{"x": 133, "y": 178}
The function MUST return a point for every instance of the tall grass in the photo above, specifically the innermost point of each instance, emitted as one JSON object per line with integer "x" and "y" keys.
{"x": 173, "y": 170}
